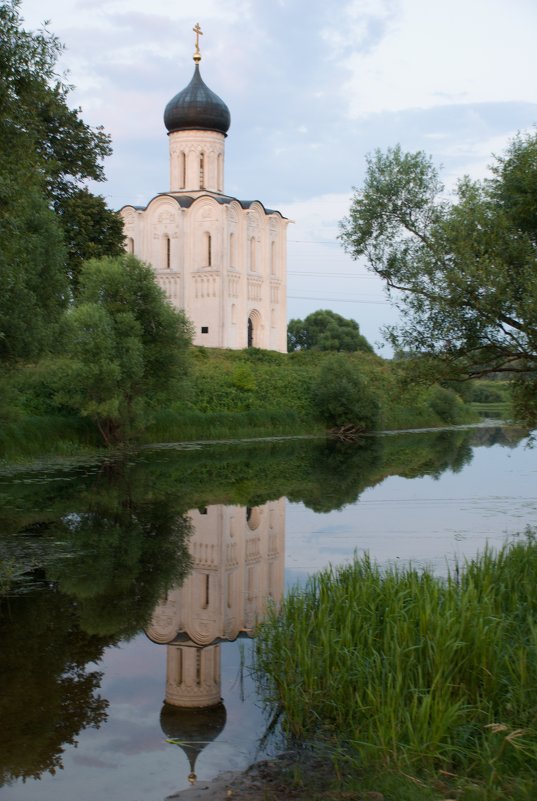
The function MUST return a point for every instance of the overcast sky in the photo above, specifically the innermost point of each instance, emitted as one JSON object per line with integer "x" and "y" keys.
{"x": 312, "y": 86}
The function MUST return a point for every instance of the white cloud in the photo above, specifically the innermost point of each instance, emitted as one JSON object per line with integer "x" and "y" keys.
{"x": 433, "y": 54}
{"x": 474, "y": 157}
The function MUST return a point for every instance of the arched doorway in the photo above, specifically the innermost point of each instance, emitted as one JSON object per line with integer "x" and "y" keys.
{"x": 253, "y": 517}
{"x": 254, "y": 326}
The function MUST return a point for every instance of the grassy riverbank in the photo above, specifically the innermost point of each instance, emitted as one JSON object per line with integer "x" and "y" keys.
{"x": 409, "y": 680}
{"x": 263, "y": 393}
{"x": 230, "y": 394}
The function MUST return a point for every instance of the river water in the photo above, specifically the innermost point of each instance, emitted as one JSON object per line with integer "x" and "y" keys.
{"x": 131, "y": 586}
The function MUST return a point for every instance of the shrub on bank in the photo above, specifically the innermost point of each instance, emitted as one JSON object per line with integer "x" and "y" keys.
{"x": 341, "y": 396}
{"x": 256, "y": 393}
{"x": 232, "y": 381}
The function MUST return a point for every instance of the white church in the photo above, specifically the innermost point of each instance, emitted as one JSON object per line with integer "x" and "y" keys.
{"x": 221, "y": 260}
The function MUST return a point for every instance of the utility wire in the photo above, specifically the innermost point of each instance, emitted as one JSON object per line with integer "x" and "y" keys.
{"x": 341, "y": 300}
{"x": 314, "y": 242}
{"x": 330, "y": 274}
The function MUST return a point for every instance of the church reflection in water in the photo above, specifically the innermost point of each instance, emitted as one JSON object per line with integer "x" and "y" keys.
{"x": 237, "y": 568}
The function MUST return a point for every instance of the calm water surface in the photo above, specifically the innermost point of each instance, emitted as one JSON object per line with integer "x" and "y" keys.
{"x": 124, "y": 580}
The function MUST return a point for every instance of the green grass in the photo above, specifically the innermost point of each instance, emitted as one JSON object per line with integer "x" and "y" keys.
{"x": 226, "y": 381}
{"x": 397, "y": 671}
{"x": 192, "y": 425}
{"x": 230, "y": 394}
{"x": 53, "y": 435}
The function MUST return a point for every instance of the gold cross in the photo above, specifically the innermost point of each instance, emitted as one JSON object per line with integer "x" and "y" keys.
{"x": 197, "y": 30}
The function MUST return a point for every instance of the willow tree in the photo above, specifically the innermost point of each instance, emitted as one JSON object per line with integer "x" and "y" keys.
{"x": 462, "y": 272}
{"x": 124, "y": 349}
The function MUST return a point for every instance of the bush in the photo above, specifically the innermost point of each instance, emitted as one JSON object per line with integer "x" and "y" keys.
{"x": 243, "y": 378}
{"x": 445, "y": 403}
{"x": 342, "y": 397}
{"x": 485, "y": 393}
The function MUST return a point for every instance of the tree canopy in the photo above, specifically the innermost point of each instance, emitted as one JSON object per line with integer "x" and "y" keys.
{"x": 463, "y": 271}
{"x": 49, "y": 221}
{"x": 33, "y": 282}
{"x": 90, "y": 231}
{"x": 326, "y": 330}
{"x": 124, "y": 348}
{"x": 36, "y": 122}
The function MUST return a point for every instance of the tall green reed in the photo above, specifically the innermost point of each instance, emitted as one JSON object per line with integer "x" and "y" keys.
{"x": 405, "y": 669}
{"x": 47, "y": 434}
{"x": 187, "y": 424}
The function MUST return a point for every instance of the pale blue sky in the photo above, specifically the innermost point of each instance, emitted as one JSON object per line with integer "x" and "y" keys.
{"x": 312, "y": 87}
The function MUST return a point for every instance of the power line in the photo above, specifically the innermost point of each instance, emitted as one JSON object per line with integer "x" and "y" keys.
{"x": 314, "y": 242}
{"x": 331, "y": 274}
{"x": 341, "y": 300}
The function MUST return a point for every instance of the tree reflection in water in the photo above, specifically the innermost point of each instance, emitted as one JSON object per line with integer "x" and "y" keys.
{"x": 88, "y": 552}
{"x": 107, "y": 556}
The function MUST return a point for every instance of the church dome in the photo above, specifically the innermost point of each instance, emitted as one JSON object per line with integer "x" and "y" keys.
{"x": 193, "y": 729}
{"x": 197, "y": 108}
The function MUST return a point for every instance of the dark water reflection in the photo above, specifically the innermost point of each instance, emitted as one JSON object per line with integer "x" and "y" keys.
{"x": 187, "y": 544}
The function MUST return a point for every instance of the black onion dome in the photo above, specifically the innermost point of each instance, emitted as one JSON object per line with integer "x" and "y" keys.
{"x": 193, "y": 728}
{"x": 197, "y": 108}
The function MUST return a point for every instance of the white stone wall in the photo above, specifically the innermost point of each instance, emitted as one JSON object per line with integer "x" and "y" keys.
{"x": 237, "y": 566}
{"x": 220, "y": 263}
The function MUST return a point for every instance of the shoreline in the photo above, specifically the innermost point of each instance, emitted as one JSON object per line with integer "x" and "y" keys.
{"x": 285, "y": 777}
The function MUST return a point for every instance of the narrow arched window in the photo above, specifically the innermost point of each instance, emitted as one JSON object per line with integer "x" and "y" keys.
{"x": 232, "y": 250}
{"x": 208, "y": 250}
{"x": 252, "y": 254}
{"x": 130, "y": 245}
{"x": 183, "y": 169}
{"x": 250, "y": 583}
{"x": 220, "y": 171}
{"x": 202, "y": 171}
{"x": 229, "y": 592}
{"x": 271, "y": 579}
{"x": 179, "y": 666}
{"x": 166, "y": 252}
{"x": 273, "y": 258}
{"x": 205, "y": 591}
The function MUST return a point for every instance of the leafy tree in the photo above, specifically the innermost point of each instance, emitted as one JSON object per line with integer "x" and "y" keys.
{"x": 342, "y": 396}
{"x": 35, "y": 119}
{"x": 326, "y": 330}
{"x": 33, "y": 285}
{"x": 464, "y": 272}
{"x": 48, "y": 152}
{"x": 90, "y": 229}
{"x": 124, "y": 348}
